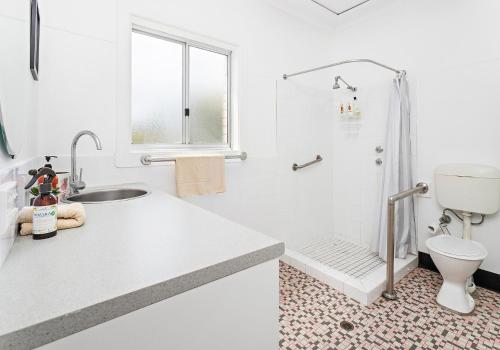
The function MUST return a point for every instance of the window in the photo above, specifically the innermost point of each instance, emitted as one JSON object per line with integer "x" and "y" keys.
{"x": 180, "y": 92}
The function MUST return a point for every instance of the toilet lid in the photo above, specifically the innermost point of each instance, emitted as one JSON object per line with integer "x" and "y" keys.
{"x": 457, "y": 247}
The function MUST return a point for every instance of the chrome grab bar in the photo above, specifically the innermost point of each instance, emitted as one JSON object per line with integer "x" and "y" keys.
{"x": 148, "y": 159}
{"x": 296, "y": 167}
{"x": 421, "y": 187}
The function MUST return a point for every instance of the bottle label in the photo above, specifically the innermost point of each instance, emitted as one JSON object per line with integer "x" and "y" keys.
{"x": 44, "y": 219}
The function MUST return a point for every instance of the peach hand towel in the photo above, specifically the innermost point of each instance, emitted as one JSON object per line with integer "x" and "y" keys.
{"x": 199, "y": 175}
{"x": 68, "y": 216}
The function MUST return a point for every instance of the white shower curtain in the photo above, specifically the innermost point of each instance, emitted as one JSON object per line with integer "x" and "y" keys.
{"x": 398, "y": 175}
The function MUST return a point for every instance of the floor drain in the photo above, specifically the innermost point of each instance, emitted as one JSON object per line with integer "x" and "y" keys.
{"x": 346, "y": 325}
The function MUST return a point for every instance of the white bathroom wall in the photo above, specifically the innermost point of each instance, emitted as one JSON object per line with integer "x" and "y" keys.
{"x": 355, "y": 176}
{"x": 450, "y": 50}
{"x": 357, "y": 179}
{"x": 305, "y": 122}
{"x": 20, "y": 96}
{"x": 78, "y": 91}
{"x": 19, "y": 106}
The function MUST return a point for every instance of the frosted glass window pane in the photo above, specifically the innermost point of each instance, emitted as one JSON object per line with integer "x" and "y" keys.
{"x": 156, "y": 90}
{"x": 208, "y": 97}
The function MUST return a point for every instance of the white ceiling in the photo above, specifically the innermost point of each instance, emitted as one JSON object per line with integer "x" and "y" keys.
{"x": 340, "y": 6}
{"x": 317, "y": 15}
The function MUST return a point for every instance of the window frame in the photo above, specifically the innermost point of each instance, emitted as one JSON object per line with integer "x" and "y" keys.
{"x": 186, "y": 45}
{"x": 127, "y": 156}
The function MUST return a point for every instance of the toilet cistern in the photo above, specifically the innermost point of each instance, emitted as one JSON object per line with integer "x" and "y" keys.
{"x": 468, "y": 188}
{"x": 75, "y": 183}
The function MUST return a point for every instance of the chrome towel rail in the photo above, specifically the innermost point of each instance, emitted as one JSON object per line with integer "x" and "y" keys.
{"x": 148, "y": 159}
{"x": 421, "y": 187}
{"x": 296, "y": 166}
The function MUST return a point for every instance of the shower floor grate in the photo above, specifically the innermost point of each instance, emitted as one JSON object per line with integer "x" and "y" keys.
{"x": 347, "y": 257}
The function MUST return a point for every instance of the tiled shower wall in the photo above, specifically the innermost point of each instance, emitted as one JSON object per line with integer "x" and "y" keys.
{"x": 356, "y": 177}
{"x": 454, "y": 72}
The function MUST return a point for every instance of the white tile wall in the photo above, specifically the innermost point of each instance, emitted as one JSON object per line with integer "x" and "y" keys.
{"x": 76, "y": 92}
{"x": 14, "y": 174}
{"x": 356, "y": 178}
{"x": 79, "y": 92}
{"x": 92, "y": 18}
{"x": 454, "y": 72}
{"x": 18, "y": 93}
{"x": 18, "y": 9}
{"x": 457, "y": 121}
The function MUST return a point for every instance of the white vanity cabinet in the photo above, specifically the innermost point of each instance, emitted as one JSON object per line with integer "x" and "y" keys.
{"x": 238, "y": 312}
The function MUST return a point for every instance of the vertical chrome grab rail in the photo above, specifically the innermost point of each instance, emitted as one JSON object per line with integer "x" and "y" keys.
{"x": 391, "y": 208}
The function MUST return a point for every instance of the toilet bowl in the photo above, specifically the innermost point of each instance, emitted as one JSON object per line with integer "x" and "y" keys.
{"x": 456, "y": 259}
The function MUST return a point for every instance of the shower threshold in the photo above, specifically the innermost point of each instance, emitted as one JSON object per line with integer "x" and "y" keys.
{"x": 348, "y": 267}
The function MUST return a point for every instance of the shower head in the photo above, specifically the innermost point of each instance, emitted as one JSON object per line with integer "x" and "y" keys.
{"x": 337, "y": 85}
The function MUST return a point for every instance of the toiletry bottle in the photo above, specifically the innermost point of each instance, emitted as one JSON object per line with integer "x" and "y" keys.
{"x": 47, "y": 159}
{"x": 56, "y": 191}
{"x": 356, "y": 108}
{"x": 44, "y": 205}
{"x": 60, "y": 182}
{"x": 350, "y": 108}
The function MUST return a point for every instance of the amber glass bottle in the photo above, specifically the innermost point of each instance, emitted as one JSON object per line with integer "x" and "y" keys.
{"x": 45, "y": 214}
{"x": 44, "y": 206}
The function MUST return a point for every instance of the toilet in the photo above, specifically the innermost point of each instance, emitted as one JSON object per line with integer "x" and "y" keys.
{"x": 466, "y": 189}
{"x": 456, "y": 259}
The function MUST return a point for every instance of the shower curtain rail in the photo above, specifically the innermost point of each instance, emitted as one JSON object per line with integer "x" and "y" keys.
{"x": 362, "y": 60}
{"x": 421, "y": 187}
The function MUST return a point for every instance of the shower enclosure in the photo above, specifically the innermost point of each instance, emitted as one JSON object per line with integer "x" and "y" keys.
{"x": 335, "y": 248}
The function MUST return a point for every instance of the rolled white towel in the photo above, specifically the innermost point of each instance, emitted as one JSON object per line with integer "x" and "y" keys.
{"x": 68, "y": 216}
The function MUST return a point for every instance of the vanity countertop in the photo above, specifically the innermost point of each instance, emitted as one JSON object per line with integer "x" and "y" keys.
{"x": 128, "y": 255}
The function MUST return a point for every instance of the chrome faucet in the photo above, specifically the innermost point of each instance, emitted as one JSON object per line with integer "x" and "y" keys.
{"x": 75, "y": 182}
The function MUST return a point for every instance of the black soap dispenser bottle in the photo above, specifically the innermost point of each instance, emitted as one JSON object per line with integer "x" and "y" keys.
{"x": 47, "y": 159}
{"x": 44, "y": 205}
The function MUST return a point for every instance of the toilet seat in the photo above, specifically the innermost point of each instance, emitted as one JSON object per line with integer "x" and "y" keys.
{"x": 457, "y": 248}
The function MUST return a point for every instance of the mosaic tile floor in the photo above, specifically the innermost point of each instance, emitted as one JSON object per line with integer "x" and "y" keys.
{"x": 311, "y": 312}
